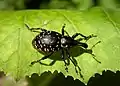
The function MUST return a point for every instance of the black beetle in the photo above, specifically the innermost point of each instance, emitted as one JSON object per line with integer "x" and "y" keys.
{"x": 51, "y": 41}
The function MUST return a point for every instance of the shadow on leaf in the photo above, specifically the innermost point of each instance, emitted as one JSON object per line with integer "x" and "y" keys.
{"x": 107, "y": 78}
{"x": 74, "y": 52}
{"x": 55, "y": 79}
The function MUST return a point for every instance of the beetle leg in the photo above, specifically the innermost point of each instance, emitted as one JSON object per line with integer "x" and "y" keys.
{"x": 50, "y": 64}
{"x": 64, "y": 31}
{"x": 63, "y": 58}
{"x": 45, "y": 57}
{"x": 93, "y": 54}
{"x": 95, "y": 58}
{"x": 34, "y": 29}
{"x": 90, "y": 36}
{"x": 74, "y": 63}
{"x": 76, "y": 34}
{"x": 90, "y": 51}
{"x": 84, "y": 37}
{"x": 95, "y": 44}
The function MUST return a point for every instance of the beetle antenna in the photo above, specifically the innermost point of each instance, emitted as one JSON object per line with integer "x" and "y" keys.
{"x": 95, "y": 44}
{"x": 34, "y": 29}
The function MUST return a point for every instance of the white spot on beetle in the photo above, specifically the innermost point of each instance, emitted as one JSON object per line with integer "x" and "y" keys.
{"x": 56, "y": 45}
{"x": 44, "y": 45}
{"x": 51, "y": 49}
{"x": 57, "y": 34}
{"x": 57, "y": 42}
{"x": 40, "y": 37}
{"x": 45, "y": 49}
{"x": 39, "y": 41}
{"x": 49, "y": 32}
{"x": 66, "y": 46}
{"x": 41, "y": 46}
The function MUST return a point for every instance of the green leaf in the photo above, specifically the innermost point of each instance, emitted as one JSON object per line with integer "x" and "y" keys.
{"x": 17, "y": 52}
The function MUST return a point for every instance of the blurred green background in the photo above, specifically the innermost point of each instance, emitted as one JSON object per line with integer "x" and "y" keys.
{"x": 57, "y": 4}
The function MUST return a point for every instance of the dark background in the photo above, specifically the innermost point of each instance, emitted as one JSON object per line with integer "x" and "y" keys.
{"x": 57, "y": 4}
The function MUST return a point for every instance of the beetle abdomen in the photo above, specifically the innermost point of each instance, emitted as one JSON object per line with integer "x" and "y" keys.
{"x": 47, "y": 42}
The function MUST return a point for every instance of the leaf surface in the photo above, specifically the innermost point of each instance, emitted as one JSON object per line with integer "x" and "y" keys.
{"x": 17, "y": 52}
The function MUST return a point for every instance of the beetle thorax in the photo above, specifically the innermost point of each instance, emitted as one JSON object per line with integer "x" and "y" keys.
{"x": 64, "y": 42}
